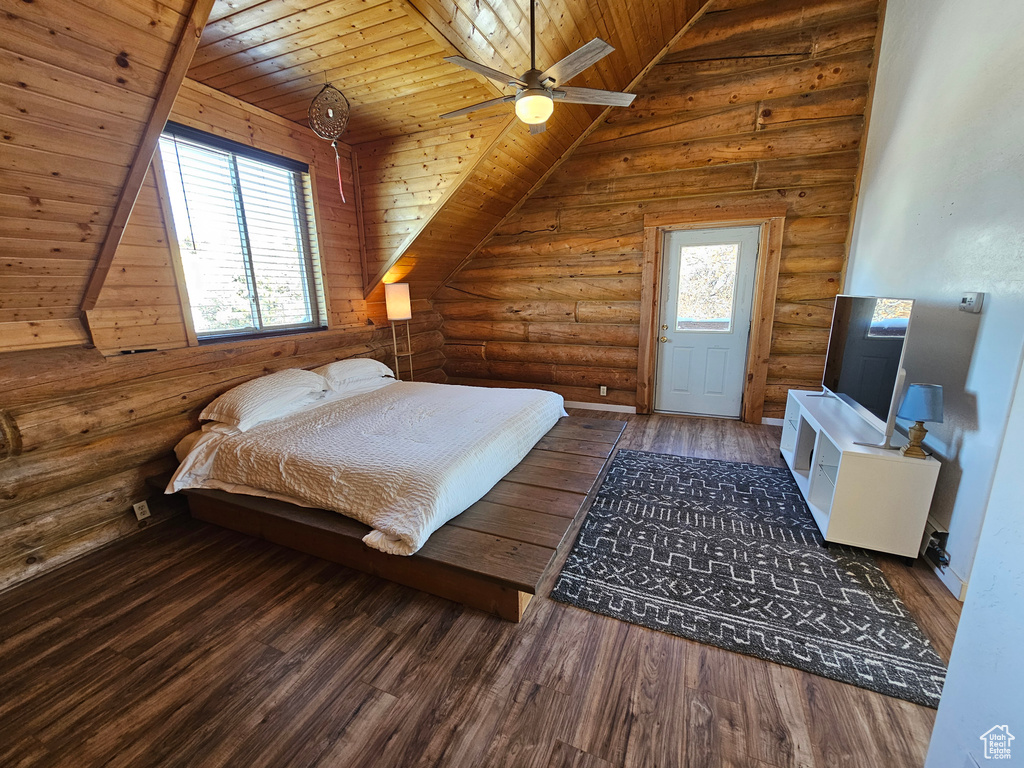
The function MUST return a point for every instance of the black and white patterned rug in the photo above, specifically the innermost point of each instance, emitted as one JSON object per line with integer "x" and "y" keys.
{"x": 727, "y": 554}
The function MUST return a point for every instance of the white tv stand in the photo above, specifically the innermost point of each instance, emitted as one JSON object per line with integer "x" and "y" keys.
{"x": 858, "y": 494}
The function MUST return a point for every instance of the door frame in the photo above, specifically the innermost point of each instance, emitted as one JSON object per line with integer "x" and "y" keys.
{"x": 771, "y": 220}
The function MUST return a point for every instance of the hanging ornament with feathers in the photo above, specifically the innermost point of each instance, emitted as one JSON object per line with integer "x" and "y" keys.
{"x": 328, "y": 116}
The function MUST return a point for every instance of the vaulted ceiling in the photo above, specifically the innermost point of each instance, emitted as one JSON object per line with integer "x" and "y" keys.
{"x": 387, "y": 57}
{"x": 86, "y": 86}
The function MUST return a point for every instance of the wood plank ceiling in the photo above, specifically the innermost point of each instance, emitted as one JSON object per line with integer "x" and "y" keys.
{"x": 277, "y": 54}
{"x": 387, "y": 57}
{"x": 75, "y": 98}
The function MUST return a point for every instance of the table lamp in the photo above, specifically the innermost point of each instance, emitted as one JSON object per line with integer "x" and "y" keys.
{"x": 399, "y": 306}
{"x": 923, "y": 402}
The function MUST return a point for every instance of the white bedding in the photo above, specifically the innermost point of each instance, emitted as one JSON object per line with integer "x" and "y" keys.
{"x": 404, "y": 459}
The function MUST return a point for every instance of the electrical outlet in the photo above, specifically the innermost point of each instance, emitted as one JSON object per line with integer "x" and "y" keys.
{"x": 141, "y": 510}
{"x": 971, "y": 302}
{"x": 604, "y": 391}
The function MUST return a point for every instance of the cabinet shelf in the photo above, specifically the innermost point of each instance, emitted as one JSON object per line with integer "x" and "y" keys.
{"x": 859, "y": 495}
{"x": 830, "y": 471}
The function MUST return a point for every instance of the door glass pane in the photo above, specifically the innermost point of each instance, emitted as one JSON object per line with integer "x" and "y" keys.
{"x": 707, "y": 287}
{"x": 890, "y": 318}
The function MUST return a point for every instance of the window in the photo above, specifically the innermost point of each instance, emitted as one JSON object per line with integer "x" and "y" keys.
{"x": 245, "y": 231}
{"x": 707, "y": 287}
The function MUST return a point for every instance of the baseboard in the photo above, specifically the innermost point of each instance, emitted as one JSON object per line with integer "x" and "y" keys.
{"x": 953, "y": 583}
{"x": 773, "y": 422}
{"x": 601, "y": 407}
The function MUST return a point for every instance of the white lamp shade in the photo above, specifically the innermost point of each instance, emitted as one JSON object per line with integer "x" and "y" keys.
{"x": 396, "y": 296}
{"x": 923, "y": 402}
{"x": 534, "y": 107}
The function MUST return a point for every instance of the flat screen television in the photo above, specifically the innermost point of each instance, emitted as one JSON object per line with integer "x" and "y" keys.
{"x": 864, "y": 364}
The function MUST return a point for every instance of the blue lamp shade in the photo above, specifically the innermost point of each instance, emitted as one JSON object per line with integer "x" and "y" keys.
{"x": 923, "y": 402}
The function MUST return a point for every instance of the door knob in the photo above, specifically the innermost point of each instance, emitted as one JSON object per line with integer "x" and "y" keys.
{"x": 664, "y": 327}
{"x": 663, "y": 339}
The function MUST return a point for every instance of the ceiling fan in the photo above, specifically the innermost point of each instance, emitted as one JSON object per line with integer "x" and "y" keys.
{"x": 537, "y": 91}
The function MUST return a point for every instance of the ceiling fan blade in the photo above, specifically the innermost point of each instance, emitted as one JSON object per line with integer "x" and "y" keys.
{"x": 572, "y": 95}
{"x": 538, "y": 128}
{"x": 577, "y": 61}
{"x": 481, "y": 105}
{"x": 480, "y": 69}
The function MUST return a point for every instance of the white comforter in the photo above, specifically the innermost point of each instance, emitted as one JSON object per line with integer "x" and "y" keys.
{"x": 404, "y": 459}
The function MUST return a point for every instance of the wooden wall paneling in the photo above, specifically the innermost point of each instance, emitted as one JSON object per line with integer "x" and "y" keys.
{"x": 77, "y": 448}
{"x": 758, "y": 104}
{"x": 175, "y": 75}
{"x": 114, "y": 325}
{"x": 73, "y": 104}
{"x": 357, "y": 197}
{"x": 410, "y": 179}
{"x": 118, "y": 318}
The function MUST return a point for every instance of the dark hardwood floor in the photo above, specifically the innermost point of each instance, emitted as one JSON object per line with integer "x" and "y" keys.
{"x": 189, "y": 645}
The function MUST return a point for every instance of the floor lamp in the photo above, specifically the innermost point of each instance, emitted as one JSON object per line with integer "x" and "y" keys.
{"x": 396, "y": 297}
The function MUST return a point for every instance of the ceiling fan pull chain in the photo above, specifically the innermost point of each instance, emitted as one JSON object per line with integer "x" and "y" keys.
{"x": 337, "y": 162}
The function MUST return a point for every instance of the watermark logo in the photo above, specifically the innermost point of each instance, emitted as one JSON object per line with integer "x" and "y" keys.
{"x": 997, "y": 742}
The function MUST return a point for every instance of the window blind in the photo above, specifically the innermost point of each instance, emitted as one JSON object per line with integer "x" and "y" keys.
{"x": 245, "y": 234}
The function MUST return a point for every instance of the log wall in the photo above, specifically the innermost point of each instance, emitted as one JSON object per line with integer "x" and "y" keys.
{"x": 80, "y": 432}
{"x": 762, "y": 103}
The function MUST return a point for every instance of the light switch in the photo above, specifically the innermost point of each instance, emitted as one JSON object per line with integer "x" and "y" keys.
{"x": 971, "y": 302}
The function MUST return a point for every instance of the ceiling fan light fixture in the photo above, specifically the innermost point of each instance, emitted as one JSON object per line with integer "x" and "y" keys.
{"x": 534, "y": 106}
{"x": 536, "y": 91}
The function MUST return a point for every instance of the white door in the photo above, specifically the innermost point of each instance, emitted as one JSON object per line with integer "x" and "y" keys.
{"x": 707, "y": 292}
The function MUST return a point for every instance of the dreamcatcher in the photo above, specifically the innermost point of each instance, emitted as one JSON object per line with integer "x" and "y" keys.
{"x": 328, "y": 116}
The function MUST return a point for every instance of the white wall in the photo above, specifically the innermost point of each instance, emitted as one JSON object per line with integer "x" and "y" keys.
{"x": 942, "y": 212}
{"x": 985, "y": 685}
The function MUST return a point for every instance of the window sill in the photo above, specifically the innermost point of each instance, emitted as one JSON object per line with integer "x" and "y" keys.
{"x": 228, "y": 337}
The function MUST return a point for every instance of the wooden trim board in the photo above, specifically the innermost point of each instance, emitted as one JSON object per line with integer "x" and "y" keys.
{"x": 491, "y": 557}
{"x": 178, "y": 67}
{"x": 772, "y": 222}
{"x": 171, "y": 233}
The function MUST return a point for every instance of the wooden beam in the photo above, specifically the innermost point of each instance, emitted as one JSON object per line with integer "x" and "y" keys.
{"x": 583, "y": 137}
{"x": 180, "y": 61}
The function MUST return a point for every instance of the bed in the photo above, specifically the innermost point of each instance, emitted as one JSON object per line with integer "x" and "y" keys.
{"x": 464, "y": 492}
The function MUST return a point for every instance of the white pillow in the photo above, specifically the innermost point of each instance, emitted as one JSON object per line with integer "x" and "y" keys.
{"x": 344, "y": 373}
{"x": 265, "y": 398}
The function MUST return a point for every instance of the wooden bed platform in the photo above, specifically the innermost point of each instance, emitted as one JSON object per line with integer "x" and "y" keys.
{"x": 490, "y": 557}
